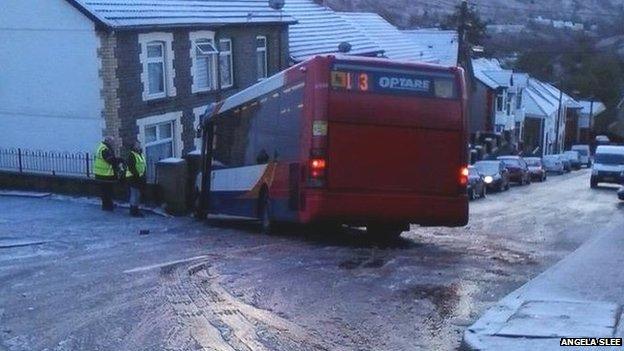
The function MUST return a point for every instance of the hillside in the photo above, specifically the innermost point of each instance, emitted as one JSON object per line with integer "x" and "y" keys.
{"x": 413, "y": 13}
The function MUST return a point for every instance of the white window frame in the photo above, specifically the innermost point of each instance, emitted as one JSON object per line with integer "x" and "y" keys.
{"x": 194, "y": 37}
{"x": 175, "y": 117}
{"x": 160, "y": 60}
{"x": 169, "y": 72}
{"x": 264, "y": 51}
{"x": 230, "y": 57}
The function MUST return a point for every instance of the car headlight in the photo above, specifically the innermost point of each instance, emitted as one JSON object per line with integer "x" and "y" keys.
{"x": 488, "y": 179}
{"x": 594, "y": 172}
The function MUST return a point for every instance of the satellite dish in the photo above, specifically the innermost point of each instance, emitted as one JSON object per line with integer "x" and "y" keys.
{"x": 344, "y": 47}
{"x": 277, "y": 4}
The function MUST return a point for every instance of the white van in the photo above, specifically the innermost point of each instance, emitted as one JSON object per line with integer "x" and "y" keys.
{"x": 608, "y": 165}
{"x": 584, "y": 154}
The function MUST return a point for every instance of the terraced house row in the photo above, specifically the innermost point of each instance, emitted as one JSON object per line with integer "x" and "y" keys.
{"x": 146, "y": 70}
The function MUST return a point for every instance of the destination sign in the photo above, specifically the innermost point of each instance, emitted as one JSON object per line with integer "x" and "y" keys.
{"x": 385, "y": 81}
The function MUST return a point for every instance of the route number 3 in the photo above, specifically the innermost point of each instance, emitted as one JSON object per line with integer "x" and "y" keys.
{"x": 363, "y": 82}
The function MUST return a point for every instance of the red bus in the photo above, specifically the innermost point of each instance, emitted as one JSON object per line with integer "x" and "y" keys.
{"x": 342, "y": 140}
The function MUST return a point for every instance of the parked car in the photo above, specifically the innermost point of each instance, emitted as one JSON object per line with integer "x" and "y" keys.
{"x": 621, "y": 193}
{"x": 476, "y": 184}
{"x": 575, "y": 159}
{"x": 608, "y": 165}
{"x": 602, "y": 140}
{"x": 567, "y": 165}
{"x": 495, "y": 174}
{"x": 553, "y": 164}
{"x": 536, "y": 168}
{"x": 518, "y": 169}
{"x": 584, "y": 153}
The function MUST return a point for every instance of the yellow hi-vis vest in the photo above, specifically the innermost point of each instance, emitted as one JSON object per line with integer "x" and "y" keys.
{"x": 100, "y": 166}
{"x": 139, "y": 164}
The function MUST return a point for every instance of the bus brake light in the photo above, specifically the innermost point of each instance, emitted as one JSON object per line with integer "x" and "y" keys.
{"x": 463, "y": 176}
{"x": 317, "y": 168}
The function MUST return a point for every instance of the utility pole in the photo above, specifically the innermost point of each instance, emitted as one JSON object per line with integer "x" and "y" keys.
{"x": 462, "y": 54}
{"x": 591, "y": 118}
{"x": 558, "y": 126}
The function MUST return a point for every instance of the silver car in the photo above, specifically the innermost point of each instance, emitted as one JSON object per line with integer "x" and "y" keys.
{"x": 553, "y": 164}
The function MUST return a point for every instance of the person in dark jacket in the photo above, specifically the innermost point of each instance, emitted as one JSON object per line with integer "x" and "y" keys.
{"x": 135, "y": 177}
{"x": 105, "y": 168}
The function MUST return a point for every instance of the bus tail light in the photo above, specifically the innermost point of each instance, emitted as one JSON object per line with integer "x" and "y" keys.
{"x": 317, "y": 171}
{"x": 463, "y": 176}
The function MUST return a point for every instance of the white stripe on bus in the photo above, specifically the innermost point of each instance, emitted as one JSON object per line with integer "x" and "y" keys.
{"x": 237, "y": 179}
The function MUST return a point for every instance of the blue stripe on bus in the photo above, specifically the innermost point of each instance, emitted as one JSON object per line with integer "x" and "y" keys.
{"x": 233, "y": 203}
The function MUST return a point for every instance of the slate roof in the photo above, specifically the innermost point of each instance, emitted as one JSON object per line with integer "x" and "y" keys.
{"x": 539, "y": 103}
{"x": 396, "y": 45}
{"x": 597, "y": 109}
{"x": 441, "y": 44}
{"x": 496, "y": 77}
{"x": 120, "y": 14}
{"x": 320, "y": 30}
{"x": 543, "y": 99}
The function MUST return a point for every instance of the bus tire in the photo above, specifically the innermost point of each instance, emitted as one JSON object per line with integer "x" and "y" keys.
{"x": 264, "y": 212}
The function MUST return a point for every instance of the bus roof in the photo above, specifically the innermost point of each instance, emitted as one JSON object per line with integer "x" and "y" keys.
{"x": 278, "y": 80}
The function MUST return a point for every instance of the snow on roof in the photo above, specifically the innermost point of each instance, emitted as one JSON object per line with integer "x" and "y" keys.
{"x": 543, "y": 99}
{"x": 168, "y": 13}
{"x": 539, "y": 104}
{"x": 396, "y": 45}
{"x": 491, "y": 73}
{"x": 482, "y": 65}
{"x": 441, "y": 44}
{"x": 597, "y": 108}
{"x": 320, "y": 30}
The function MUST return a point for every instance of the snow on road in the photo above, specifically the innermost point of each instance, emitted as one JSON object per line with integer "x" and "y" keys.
{"x": 92, "y": 282}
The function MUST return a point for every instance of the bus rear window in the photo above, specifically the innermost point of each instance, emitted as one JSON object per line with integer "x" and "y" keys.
{"x": 380, "y": 80}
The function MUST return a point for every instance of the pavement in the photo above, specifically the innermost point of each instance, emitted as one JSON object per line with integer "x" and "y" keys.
{"x": 580, "y": 296}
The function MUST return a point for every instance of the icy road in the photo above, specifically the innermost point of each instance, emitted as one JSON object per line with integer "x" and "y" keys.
{"x": 74, "y": 278}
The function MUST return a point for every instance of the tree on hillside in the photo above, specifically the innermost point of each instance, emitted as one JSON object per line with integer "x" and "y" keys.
{"x": 578, "y": 68}
{"x": 475, "y": 26}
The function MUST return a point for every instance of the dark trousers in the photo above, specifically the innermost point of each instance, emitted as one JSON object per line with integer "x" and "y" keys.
{"x": 107, "y": 190}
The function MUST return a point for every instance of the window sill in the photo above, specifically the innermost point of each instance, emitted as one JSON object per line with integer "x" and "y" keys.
{"x": 155, "y": 99}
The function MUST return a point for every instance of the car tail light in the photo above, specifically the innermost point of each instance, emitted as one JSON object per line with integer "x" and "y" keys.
{"x": 463, "y": 176}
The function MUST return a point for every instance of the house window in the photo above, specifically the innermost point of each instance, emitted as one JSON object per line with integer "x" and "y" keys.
{"x": 500, "y": 128}
{"x": 519, "y": 100}
{"x": 500, "y": 100}
{"x": 261, "y": 57}
{"x": 157, "y": 60}
{"x": 156, "y": 69}
{"x": 226, "y": 63}
{"x": 204, "y": 56}
{"x": 508, "y": 103}
{"x": 161, "y": 137}
{"x": 205, "y": 64}
{"x": 159, "y": 145}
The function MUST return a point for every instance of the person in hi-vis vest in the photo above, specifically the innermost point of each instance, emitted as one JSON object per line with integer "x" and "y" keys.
{"x": 135, "y": 176}
{"x": 105, "y": 168}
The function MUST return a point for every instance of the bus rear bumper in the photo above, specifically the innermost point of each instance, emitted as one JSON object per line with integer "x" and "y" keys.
{"x": 352, "y": 208}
